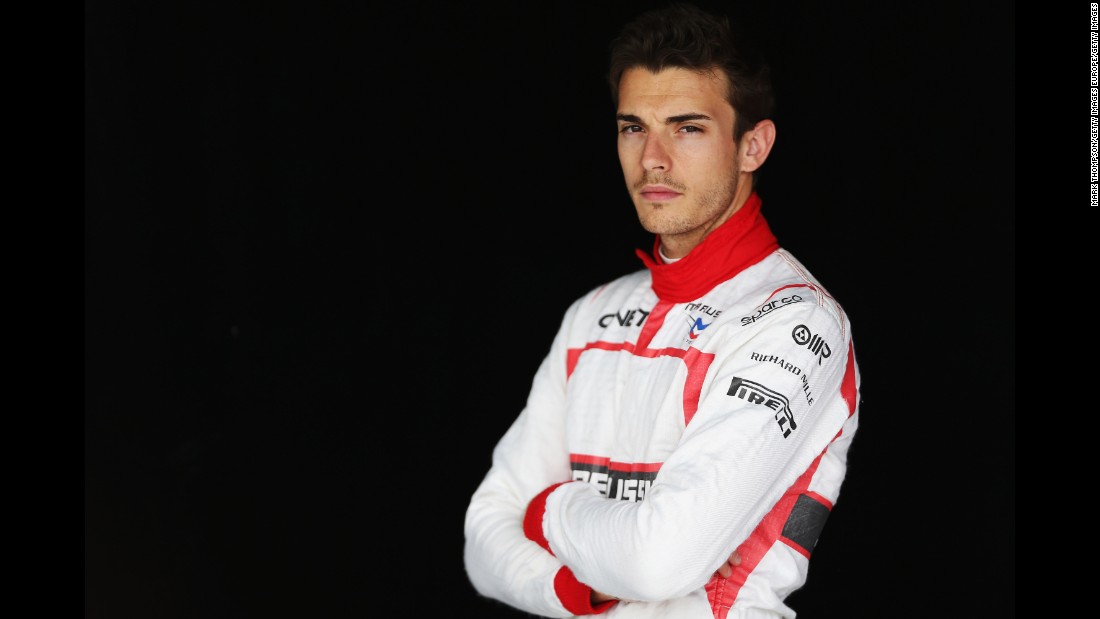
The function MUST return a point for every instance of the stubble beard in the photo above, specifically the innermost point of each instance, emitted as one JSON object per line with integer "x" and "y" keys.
{"x": 701, "y": 213}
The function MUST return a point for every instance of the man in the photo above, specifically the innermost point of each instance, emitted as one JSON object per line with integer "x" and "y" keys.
{"x": 686, "y": 436}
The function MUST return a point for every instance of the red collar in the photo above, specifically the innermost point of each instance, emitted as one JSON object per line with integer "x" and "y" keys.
{"x": 739, "y": 243}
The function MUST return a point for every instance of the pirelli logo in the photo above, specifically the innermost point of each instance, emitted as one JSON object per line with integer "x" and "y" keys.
{"x": 755, "y": 393}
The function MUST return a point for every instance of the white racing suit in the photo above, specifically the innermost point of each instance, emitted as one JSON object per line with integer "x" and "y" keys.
{"x": 683, "y": 411}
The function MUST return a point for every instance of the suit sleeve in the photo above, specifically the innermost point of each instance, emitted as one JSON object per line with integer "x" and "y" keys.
{"x": 759, "y": 428}
{"x": 501, "y": 562}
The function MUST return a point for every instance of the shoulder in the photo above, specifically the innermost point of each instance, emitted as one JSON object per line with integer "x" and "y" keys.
{"x": 780, "y": 313}
{"x": 628, "y": 296}
{"x": 779, "y": 290}
{"x": 615, "y": 291}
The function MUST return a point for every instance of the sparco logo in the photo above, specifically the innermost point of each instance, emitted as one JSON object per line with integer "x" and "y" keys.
{"x": 755, "y": 393}
{"x": 815, "y": 343}
{"x": 768, "y": 307}
{"x": 630, "y": 318}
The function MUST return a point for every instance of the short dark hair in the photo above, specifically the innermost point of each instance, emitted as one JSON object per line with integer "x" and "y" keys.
{"x": 685, "y": 36}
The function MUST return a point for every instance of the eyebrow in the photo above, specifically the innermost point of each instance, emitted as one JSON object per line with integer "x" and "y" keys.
{"x": 679, "y": 118}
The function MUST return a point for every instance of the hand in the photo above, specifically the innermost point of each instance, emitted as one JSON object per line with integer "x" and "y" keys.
{"x": 598, "y": 597}
{"x": 726, "y": 569}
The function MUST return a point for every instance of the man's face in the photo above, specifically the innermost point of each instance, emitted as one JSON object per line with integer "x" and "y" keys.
{"x": 678, "y": 155}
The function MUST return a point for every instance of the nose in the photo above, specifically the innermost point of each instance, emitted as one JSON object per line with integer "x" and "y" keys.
{"x": 655, "y": 154}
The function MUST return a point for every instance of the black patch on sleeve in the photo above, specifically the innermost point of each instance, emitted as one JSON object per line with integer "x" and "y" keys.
{"x": 805, "y": 523}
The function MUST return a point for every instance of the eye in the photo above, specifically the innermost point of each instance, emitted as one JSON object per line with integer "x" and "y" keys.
{"x": 630, "y": 129}
{"x": 691, "y": 129}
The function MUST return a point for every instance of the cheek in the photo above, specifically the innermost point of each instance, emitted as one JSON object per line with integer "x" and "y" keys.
{"x": 627, "y": 154}
{"x": 719, "y": 160}
{"x": 628, "y": 161}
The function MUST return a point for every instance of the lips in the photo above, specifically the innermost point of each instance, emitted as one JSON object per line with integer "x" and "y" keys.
{"x": 657, "y": 193}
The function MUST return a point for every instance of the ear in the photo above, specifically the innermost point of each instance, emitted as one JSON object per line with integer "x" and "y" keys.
{"x": 756, "y": 144}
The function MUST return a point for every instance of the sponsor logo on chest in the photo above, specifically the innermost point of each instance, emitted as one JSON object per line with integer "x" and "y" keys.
{"x": 614, "y": 484}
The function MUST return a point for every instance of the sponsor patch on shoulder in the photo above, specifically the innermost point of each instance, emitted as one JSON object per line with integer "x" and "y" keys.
{"x": 756, "y": 393}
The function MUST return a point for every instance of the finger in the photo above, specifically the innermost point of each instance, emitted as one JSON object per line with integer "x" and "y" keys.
{"x": 735, "y": 559}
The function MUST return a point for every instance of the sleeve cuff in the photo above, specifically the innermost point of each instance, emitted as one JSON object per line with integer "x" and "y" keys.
{"x": 532, "y": 520}
{"x": 576, "y": 596}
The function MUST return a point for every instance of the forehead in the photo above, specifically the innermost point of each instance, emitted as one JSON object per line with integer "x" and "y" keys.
{"x": 673, "y": 91}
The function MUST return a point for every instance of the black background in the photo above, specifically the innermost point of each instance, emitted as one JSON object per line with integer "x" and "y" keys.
{"x": 327, "y": 244}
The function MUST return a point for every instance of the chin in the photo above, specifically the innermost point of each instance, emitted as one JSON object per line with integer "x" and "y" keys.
{"x": 655, "y": 225}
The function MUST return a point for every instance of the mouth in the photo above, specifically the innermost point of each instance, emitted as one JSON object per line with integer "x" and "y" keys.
{"x": 659, "y": 193}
